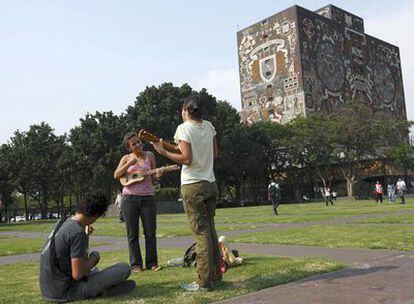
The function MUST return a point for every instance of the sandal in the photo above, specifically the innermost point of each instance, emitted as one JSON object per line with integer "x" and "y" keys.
{"x": 155, "y": 268}
{"x": 136, "y": 269}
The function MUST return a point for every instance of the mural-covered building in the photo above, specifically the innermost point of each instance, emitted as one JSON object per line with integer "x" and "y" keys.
{"x": 299, "y": 61}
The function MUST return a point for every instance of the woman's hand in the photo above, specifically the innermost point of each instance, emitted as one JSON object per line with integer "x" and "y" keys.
{"x": 132, "y": 160}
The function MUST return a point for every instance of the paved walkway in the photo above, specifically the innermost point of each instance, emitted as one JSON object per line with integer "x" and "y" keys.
{"x": 373, "y": 276}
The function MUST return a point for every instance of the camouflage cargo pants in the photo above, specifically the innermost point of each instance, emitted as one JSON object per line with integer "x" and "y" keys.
{"x": 200, "y": 200}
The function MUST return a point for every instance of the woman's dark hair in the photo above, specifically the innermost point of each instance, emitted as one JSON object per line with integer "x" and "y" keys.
{"x": 94, "y": 204}
{"x": 127, "y": 137}
{"x": 192, "y": 105}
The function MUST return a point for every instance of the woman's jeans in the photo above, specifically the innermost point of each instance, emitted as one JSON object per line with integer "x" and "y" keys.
{"x": 133, "y": 208}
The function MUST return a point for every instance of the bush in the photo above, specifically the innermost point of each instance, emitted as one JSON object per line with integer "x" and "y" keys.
{"x": 166, "y": 194}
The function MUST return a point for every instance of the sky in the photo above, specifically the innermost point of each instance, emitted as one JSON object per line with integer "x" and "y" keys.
{"x": 62, "y": 59}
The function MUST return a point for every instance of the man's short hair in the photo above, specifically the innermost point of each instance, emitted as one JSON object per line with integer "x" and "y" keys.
{"x": 94, "y": 204}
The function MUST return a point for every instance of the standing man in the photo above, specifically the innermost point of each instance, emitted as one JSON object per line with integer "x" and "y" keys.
{"x": 273, "y": 195}
{"x": 67, "y": 270}
{"x": 391, "y": 192}
{"x": 401, "y": 188}
{"x": 196, "y": 139}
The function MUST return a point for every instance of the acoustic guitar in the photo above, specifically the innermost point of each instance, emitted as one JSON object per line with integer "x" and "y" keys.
{"x": 148, "y": 136}
{"x": 138, "y": 176}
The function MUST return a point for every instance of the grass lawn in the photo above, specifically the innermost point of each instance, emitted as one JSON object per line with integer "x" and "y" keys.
{"x": 10, "y": 245}
{"x": 257, "y": 273}
{"x": 390, "y": 219}
{"x": 15, "y": 245}
{"x": 111, "y": 227}
{"x": 171, "y": 225}
{"x": 371, "y": 236}
{"x": 309, "y": 212}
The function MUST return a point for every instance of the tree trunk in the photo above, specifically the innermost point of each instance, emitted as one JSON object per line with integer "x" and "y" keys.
{"x": 25, "y": 206}
{"x": 350, "y": 182}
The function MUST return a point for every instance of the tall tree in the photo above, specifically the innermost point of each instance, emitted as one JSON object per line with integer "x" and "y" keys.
{"x": 97, "y": 148}
{"x": 362, "y": 136}
{"x": 7, "y": 186}
{"x": 42, "y": 149}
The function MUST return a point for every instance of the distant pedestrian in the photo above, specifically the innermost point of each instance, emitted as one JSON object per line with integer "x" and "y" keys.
{"x": 328, "y": 196}
{"x": 273, "y": 194}
{"x": 391, "y": 192}
{"x": 378, "y": 191}
{"x": 401, "y": 189}
{"x": 118, "y": 201}
{"x": 334, "y": 195}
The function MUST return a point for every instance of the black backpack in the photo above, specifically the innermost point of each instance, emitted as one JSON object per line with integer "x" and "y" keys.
{"x": 273, "y": 190}
{"x": 190, "y": 256}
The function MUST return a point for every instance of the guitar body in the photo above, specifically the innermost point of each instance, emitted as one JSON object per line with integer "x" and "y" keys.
{"x": 148, "y": 136}
{"x": 132, "y": 178}
{"x": 138, "y": 176}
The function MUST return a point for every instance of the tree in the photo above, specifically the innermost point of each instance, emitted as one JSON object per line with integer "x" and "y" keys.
{"x": 361, "y": 136}
{"x": 313, "y": 148}
{"x": 402, "y": 156}
{"x": 42, "y": 149}
{"x": 7, "y": 185}
{"x": 96, "y": 146}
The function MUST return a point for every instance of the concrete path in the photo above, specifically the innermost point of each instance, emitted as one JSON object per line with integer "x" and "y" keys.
{"x": 384, "y": 280}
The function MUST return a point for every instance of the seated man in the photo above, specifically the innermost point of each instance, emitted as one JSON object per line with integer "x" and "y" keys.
{"x": 65, "y": 266}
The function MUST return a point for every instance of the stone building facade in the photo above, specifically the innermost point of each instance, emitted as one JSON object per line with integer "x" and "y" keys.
{"x": 298, "y": 61}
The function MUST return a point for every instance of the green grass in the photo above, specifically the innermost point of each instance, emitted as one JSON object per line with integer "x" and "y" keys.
{"x": 337, "y": 236}
{"x": 14, "y": 245}
{"x": 390, "y": 219}
{"x": 111, "y": 227}
{"x": 10, "y": 245}
{"x": 171, "y": 225}
{"x": 257, "y": 273}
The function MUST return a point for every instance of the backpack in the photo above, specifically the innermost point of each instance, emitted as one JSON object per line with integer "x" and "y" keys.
{"x": 190, "y": 256}
{"x": 273, "y": 190}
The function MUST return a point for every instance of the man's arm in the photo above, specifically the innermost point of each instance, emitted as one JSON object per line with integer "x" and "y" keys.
{"x": 82, "y": 266}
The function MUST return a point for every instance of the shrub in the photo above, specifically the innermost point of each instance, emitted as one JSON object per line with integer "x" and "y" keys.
{"x": 166, "y": 194}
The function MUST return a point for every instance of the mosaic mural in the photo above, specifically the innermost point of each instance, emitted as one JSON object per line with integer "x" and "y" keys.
{"x": 299, "y": 61}
{"x": 340, "y": 64}
{"x": 343, "y": 17}
{"x": 269, "y": 70}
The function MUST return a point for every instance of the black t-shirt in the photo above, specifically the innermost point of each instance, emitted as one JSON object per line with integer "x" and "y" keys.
{"x": 71, "y": 241}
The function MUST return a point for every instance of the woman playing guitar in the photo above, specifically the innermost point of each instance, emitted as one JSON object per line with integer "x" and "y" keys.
{"x": 138, "y": 202}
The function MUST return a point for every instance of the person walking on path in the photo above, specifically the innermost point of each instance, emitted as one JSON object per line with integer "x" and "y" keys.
{"x": 118, "y": 201}
{"x": 391, "y": 192}
{"x": 138, "y": 202}
{"x": 196, "y": 139}
{"x": 378, "y": 191}
{"x": 401, "y": 189}
{"x": 328, "y": 196}
{"x": 67, "y": 271}
{"x": 273, "y": 195}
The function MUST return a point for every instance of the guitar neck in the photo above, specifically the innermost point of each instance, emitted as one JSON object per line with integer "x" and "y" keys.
{"x": 147, "y": 136}
{"x": 161, "y": 169}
